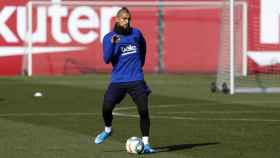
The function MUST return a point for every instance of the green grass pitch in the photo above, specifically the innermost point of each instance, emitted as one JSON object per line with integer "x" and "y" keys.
{"x": 187, "y": 120}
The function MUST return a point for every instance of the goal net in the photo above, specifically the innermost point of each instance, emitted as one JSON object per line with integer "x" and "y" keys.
{"x": 66, "y": 37}
{"x": 244, "y": 71}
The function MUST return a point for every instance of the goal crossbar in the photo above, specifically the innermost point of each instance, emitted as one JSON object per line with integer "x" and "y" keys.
{"x": 139, "y": 3}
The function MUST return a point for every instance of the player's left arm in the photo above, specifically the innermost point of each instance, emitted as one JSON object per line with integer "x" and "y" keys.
{"x": 143, "y": 47}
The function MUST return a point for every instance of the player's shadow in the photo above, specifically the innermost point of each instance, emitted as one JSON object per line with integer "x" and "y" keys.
{"x": 1, "y": 99}
{"x": 176, "y": 147}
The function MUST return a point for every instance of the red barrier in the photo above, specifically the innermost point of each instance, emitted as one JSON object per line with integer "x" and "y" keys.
{"x": 191, "y": 41}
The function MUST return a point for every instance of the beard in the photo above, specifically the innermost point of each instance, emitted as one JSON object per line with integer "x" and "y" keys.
{"x": 122, "y": 30}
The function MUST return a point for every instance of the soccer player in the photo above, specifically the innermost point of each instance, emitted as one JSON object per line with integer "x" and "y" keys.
{"x": 125, "y": 49}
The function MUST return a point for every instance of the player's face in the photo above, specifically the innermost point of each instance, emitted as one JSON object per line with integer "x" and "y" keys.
{"x": 124, "y": 20}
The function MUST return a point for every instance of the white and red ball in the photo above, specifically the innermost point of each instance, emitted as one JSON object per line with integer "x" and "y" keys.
{"x": 134, "y": 145}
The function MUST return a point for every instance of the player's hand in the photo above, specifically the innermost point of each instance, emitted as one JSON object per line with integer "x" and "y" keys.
{"x": 115, "y": 39}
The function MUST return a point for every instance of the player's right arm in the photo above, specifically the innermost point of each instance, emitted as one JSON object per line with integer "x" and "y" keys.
{"x": 109, "y": 44}
{"x": 108, "y": 49}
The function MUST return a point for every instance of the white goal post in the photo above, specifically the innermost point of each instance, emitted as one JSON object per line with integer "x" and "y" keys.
{"x": 228, "y": 37}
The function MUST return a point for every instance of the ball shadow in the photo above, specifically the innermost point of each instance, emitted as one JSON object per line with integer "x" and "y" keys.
{"x": 170, "y": 148}
{"x": 177, "y": 147}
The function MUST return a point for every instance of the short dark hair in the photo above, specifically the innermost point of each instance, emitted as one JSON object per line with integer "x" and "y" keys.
{"x": 123, "y": 9}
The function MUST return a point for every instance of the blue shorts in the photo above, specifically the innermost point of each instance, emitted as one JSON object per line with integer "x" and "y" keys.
{"x": 117, "y": 91}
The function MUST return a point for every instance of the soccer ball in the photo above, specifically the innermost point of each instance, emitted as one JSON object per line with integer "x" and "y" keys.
{"x": 134, "y": 145}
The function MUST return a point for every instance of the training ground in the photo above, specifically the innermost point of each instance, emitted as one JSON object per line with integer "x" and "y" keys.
{"x": 187, "y": 120}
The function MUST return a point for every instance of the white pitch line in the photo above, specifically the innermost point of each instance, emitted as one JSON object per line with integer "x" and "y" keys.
{"x": 255, "y": 101}
{"x": 199, "y": 119}
{"x": 194, "y": 112}
{"x": 48, "y": 114}
{"x": 218, "y": 112}
{"x": 136, "y": 116}
{"x": 153, "y": 106}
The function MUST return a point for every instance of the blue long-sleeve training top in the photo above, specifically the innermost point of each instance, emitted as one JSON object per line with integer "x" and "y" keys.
{"x": 127, "y": 56}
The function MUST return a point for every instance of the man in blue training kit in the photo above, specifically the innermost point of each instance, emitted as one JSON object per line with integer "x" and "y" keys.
{"x": 125, "y": 49}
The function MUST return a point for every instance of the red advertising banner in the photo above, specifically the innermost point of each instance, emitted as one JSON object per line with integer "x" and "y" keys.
{"x": 68, "y": 40}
